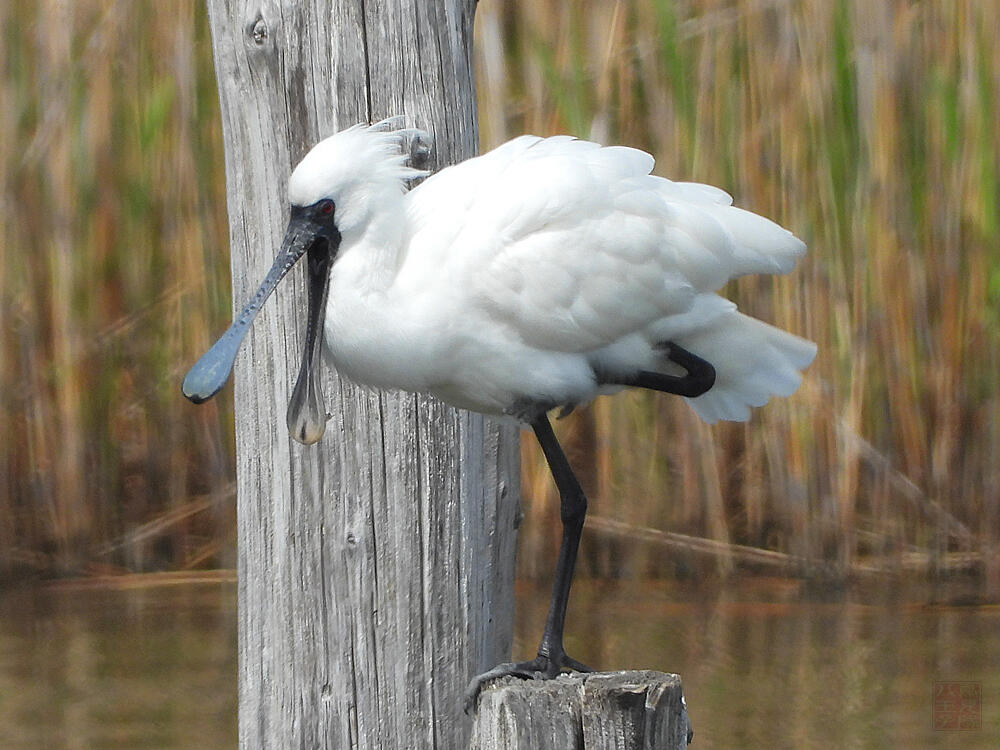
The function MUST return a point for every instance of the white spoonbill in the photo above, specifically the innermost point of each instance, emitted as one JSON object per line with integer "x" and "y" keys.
{"x": 533, "y": 277}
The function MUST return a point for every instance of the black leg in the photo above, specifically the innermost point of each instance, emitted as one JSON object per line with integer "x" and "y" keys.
{"x": 552, "y": 658}
{"x": 572, "y": 510}
{"x": 700, "y": 375}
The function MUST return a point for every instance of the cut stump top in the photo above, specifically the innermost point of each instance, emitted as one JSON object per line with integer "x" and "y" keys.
{"x": 640, "y": 710}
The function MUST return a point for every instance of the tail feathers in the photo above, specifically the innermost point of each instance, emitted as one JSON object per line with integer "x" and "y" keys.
{"x": 760, "y": 245}
{"x": 710, "y": 241}
{"x": 753, "y": 361}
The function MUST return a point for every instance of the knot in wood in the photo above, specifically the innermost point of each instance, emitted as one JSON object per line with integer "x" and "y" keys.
{"x": 420, "y": 147}
{"x": 259, "y": 32}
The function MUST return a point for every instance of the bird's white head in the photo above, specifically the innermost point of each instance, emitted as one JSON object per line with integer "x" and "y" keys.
{"x": 361, "y": 169}
{"x": 337, "y": 191}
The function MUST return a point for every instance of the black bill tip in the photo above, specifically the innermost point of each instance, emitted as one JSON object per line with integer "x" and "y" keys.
{"x": 211, "y": 372}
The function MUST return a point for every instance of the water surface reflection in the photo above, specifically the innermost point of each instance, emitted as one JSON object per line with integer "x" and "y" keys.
{"x": 110, "y": 669}
{"x": 765, "y": 664}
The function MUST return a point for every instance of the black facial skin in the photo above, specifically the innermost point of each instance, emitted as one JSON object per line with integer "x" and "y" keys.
{"x": 312, "y": 231}
{"x": 322, "y": 216}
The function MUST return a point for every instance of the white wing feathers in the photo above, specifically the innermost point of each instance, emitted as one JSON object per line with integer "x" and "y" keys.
{"x": 577, "y": 248}
{"x": 578, "y": 245}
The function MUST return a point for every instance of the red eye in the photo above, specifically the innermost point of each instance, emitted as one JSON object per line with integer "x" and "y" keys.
{"x": 326, "y": 208}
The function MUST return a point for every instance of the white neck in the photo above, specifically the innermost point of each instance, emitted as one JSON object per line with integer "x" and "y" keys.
{"x": 370, "y": 254}
{"x": 367, "y": 326}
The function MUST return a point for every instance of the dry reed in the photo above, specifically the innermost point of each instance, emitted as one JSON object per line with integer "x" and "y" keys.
{"x": 870, "y": 129}
{"x": 114, "y": 271}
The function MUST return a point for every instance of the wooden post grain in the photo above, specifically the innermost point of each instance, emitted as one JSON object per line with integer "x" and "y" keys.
{"x": 376, "y": 567}
{"x": 621, "y": 710}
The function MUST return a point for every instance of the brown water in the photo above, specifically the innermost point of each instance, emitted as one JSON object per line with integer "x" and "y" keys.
{"x": 151, "y": 667}
{"x": 764, "y": 664}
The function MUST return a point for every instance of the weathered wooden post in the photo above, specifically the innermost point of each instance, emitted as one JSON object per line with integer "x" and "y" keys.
{"x": 376, "y": 567}
{"x": 621, "y": 710}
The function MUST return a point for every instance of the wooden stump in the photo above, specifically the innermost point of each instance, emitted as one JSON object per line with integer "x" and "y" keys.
{"x": 376, "y": 568}
{"x": 621, "y": 710}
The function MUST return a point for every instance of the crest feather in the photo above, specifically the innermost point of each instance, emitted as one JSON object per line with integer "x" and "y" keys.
{"x": 383, "y": 152}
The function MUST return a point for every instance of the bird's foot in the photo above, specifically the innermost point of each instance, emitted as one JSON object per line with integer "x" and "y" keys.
{"x": 542, "y": 667}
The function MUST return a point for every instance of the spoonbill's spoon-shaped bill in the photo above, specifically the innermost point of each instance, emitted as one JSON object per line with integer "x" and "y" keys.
{"x": 310, "y": 233}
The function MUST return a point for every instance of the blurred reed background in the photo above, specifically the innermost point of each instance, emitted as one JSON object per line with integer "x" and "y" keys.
{"x": 869, "y": 129}
{"x": 113, "y": 271}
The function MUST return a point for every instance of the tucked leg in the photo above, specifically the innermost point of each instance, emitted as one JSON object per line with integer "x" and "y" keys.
{"x": 700, "y": 375}
{"x": 552, "y": 657}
